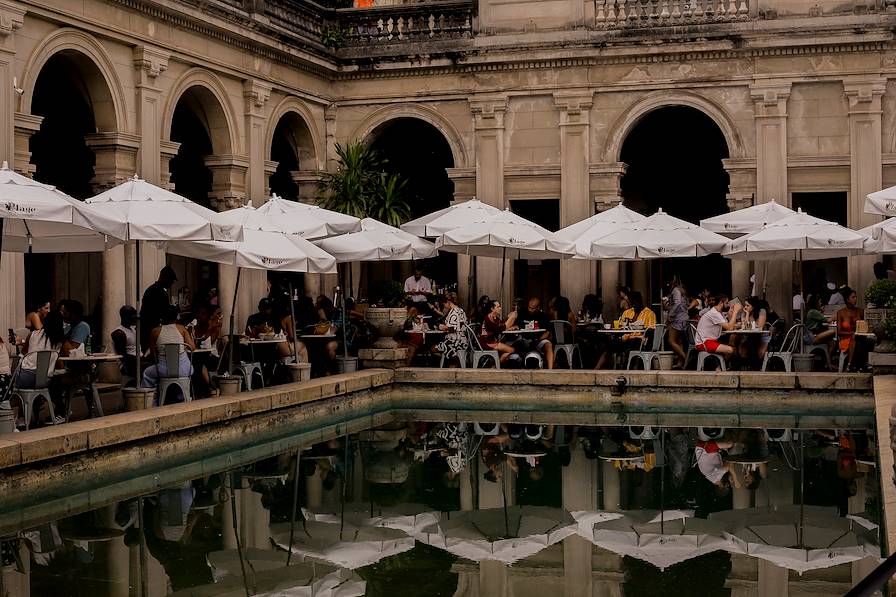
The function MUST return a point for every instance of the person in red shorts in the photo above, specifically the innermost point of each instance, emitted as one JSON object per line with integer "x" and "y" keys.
{"x": 711, "y": 324}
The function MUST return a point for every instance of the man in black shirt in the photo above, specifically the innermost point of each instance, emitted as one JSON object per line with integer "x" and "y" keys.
{"x": 542, "y": 342}
{"x": 258, "y": 323}
{"x": 155, "y": 301}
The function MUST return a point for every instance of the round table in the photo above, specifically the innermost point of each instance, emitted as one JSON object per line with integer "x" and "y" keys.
{"x": 82, "y": 367}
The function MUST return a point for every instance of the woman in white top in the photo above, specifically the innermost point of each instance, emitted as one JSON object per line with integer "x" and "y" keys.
{"x": 170, "y": 332}
{"x": 50, "y": 337}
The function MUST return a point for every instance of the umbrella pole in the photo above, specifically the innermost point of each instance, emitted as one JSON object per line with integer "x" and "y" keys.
{"x": 802, "y": 489}
{"x": 503, "y": 265}
{"x": 662, "y": 481}
{"x": 137, "y": 376}
{"x": 295, "y": 331}
{"x": 236, "y": 289}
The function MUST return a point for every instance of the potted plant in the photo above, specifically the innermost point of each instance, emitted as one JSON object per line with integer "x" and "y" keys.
{"x": 880, "y": 313}
{"x": 388, "y": 317}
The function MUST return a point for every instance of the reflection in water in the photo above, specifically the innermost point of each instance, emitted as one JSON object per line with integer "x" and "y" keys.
{"x": 484, "y": 509}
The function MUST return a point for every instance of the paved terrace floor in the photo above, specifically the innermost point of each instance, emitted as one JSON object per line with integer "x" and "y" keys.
{"x": 83, "y": 465}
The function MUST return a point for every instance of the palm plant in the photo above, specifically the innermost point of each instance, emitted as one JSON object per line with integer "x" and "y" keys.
{"x": 360, "y": 187}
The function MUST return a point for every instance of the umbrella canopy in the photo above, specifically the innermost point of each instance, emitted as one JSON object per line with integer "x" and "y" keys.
{"x": 882, "y": 237}
{"x": 260, "y": 250}
{"x": 746, "y": 220}
{"x": 882, "y": 203}
{"x": 308, "y": 226}
{"x": 40, "y": 218}
{"x": 410, "y": 518}
{"x": 344, "y": 545}
{"x": 459, "y": 214}
{"x": 640, "y": 534}
{"x": 377, "y": 242}
{"x": 278, "y": 208}
{"x": 798, "y": 237}
{"x": 506, "y": 535}
{"x": 657, "y": 236}
{"x": 816, "y": 538}
{"x": 137, "y": 210}
{"x": 597, "y": 226}
{"x": 505, "y": 235}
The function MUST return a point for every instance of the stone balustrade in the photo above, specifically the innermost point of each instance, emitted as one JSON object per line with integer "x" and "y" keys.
{"x": 417, "y": 22}
{"x": 616, "y": 14}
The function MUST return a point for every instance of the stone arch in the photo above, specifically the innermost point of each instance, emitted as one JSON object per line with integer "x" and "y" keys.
{"x": 211, "y": 104}
{"x": 103, "y": 87}
{"x": 383, "y": 115}
{"x": 663, "y": 99}
{"x": 292, "y": 105}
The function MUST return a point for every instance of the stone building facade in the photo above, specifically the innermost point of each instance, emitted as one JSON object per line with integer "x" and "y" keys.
{"x": 535, "y": 98}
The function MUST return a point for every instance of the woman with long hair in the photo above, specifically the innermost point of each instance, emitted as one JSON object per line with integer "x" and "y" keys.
{"x": 492, "y": 326}
{"x": 455, "y": 327}
{"x": 676, "y": 306}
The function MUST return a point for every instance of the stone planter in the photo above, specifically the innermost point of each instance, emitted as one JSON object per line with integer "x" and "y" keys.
{"x": 138, "y": 398}
{"x": 228, "y": 386}
{"x": 387, "y": 322}
{"x": 299, "y": 372}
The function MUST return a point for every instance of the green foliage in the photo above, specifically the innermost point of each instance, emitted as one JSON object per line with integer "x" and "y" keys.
{"x": 360, "y": 187}
{"x": 882, "y": 293}
{"x": 333, "y": 37}
{"x": 889, "y": 326}
{"x": 390, "y": 293}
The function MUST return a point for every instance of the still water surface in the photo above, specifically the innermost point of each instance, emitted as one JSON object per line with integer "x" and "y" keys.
{"x": 433, "y": 509}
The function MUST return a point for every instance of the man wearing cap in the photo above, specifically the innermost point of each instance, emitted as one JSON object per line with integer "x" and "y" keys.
{"x": 155, "y": 301}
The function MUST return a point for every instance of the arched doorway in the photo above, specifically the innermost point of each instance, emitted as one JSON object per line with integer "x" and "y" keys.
{"x": 674, "y": 156}
{"x": 74, "y": 100}
{"x": 197, "y": 116}
{"x": 420, "y": 153}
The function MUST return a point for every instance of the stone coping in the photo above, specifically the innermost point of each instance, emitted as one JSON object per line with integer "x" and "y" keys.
{"x": 90, "y": 434}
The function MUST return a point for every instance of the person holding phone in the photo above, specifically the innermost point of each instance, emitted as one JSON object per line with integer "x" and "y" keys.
{"x": 711, "y": 324}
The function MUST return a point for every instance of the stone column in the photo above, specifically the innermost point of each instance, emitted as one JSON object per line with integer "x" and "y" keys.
{"x": 740, "y": 268}
{"x": 167, "y": 152}
{"x": 26, "y": 125}
{"x": 577, "y": 278}
{"x": 580, "y": 483}
{"x": 307, "y": 181}
{"x": 865, "y": 169}
{"x": 612, "y": 486}
{"x": 605, "y": 181}
{"x": 12, "y": 268}
{"x": 773, "y": 580}
{"x": 770, "y": 115}
{"x": 116, "y": 161}
{"x": 488, "y": 126}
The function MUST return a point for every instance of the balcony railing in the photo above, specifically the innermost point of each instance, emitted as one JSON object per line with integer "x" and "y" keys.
{"x": 398, "y": 23}
{"x": 618, "y": 14}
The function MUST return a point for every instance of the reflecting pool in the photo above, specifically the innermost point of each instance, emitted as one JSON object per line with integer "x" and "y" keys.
{"x": 473, "y": 509}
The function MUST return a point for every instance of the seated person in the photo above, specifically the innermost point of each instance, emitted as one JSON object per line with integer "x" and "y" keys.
{"x": 51, "y": 336}
{"x": 77, "y": 330}
{"x": 326, "y": 313}
{"x": 264, "y": 321}
{"x": 635, "y": 339}
{"x": 846, "y": 329}
{"x": 711, "y": 324}
{"x": 593, "y": 308}
{"x": 562, "y": 310}
{"x": 714, "y": 467}
{"x": 492, "y": 326}
{"x": 124, "y": 340}
{"x": 541, "y": 343}
{"x": 816, "y": 331}
{"x": 753, "y": 317}
{"x": 170, "y": 332}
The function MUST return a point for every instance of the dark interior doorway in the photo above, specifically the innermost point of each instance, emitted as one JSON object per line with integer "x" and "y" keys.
{"x": 284, "y": 151}
{"x": 537, "y": 278}
{"x": 420, "y": 153}
{"x": 827, "y": 206}
{"x": 674, "y": 156}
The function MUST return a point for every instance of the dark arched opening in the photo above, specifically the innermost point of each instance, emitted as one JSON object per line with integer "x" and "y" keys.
{"x": 674, "y": 157}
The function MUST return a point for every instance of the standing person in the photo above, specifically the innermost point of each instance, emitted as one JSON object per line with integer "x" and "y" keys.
{"x": 455, "y": 325}
{"x": 711, "y": 324}
{"x": 34, "y": 320}
{"x": 124, "y": 340}
{"x": 418, "y": 287}
{"x": 78, "y": 331}
{"x": 156, "y": 301}
{"x": 677, "y": 315}
{"x": 492, "y": 326}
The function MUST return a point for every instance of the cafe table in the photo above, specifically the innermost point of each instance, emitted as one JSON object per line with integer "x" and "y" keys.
{"x": 81, "y": 376}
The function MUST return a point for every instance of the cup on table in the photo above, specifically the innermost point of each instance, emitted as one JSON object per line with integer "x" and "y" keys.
{"x": 607, "y": 326}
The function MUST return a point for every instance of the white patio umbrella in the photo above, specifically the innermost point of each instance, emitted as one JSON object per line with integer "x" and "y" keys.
{"x": 657, "y": 236}
{"x": 138, "y": 211}
{"x": 597, "y": 226}
{"x": 506, "y": 535}
{"x": 377, "y": 242}
{"x": 344, "y": 545}
{"x": 882, "y": 237}
{"x": 455, "y": 216}
{"x": 749, "y": 219}
{"x": 278, "y": 208}
{"x": 882, "y": 203}
{"x": 39, "y": 218}
{"x": 308, "y": 226}
{"x": 641, "y": 535}
{"x": 505, "y": 235}
{"x": 410, "y": 518}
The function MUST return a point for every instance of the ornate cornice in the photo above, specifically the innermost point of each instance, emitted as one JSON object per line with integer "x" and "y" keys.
{"x": 12, "y": 17}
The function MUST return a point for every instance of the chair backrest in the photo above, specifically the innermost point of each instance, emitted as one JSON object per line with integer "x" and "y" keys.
{"x": 170, "y": 354}
{"x": 45, "y": 360}
{"x": 472, "y": 337}
{"x": 658, "y": 336}
{"x": 791, "y": 338}
{"x": 692, "y": 334}
{"x": 562, "y": 332}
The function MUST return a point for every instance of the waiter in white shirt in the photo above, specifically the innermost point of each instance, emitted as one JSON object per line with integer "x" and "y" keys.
{"x": 418, "y": 287}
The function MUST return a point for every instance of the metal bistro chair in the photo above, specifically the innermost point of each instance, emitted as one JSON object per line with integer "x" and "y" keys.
{"x": 478, "y": 352}
{"x": 692, "y": 344}
{"x": 656, "y": 349}
{"x": 565, "y": 341}
{"x": 170, "y": 354}
{"x": 249, "y": 371}
{"x": 788, "y": 347}
{"x": 29, "y": 396}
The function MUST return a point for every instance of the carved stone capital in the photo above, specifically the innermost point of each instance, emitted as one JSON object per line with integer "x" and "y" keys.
{"x": 739, "y": 200}
{"x": 488, "y": 111}
{"x": 573, "y": 106}
{"x": 864, "y": 94}
{"x": 150, "y": 62}
{"x": 12, "y": 18}
{"x": 256, "y": 94}
{"x": 770, "y": 98}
